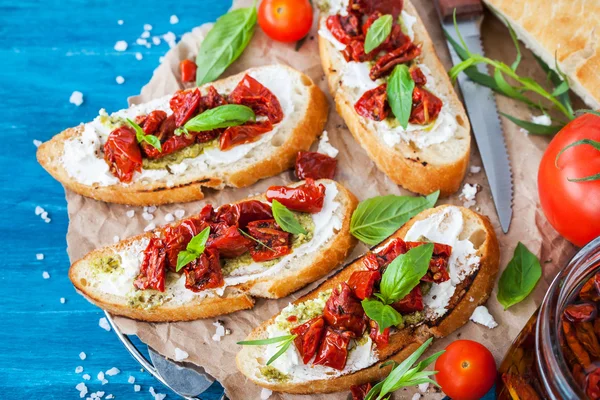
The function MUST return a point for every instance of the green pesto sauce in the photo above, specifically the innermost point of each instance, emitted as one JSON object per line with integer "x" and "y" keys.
{"x": 425, "y": 288}
{"x": 303, "y": 311}
{"x": 414, "y": 318}
{"x": 106, "y": 264}
{"x": 145, "y": 299}
{"x": 191, "y": 151}
{"x": 111, "y": 122}
{"x": 273, "y": 374}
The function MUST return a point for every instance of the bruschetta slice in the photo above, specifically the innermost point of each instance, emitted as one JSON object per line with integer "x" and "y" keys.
{"x": 246, "y": 254}
{"x": 432, "y": 151}
{"x": 338, "y": 346}
{"x": 106, "y": 160}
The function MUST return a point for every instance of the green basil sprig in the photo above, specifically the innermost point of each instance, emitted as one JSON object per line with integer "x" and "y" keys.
{"x": 224, "y": 43}
{"x": 378, "y": 217}
{"x": 193, "y": 250}
{"x": 219, "y": 117}
{"x": 400, "y": 277}
{"x": 286, "y": 219}
{"x": 141, "y": 136}
{"x": 519, "y": 278}
{"x": 378, "y": 32}
{"x": 595, "y": 144}
{"x": 285, "y": 341}
{"x": 406, "y": 374}
{"x": 399, "y": 92}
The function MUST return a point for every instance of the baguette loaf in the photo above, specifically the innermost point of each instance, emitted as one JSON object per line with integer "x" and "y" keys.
{"x": 565, "y": 29}
{"x": 471, "y": 292}
{"x": 75, "y": 158}
{"x": 417, "y": 161}
{"x": 112, "y": 288}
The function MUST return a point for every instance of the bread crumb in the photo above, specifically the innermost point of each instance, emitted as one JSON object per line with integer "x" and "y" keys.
{"x": 220, "y": 331}
{"x": 468, "y": 194}
{"x": 325, "y": 147}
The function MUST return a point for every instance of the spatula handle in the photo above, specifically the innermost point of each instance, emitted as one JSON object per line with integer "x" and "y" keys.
{"x": 464, "y": 8}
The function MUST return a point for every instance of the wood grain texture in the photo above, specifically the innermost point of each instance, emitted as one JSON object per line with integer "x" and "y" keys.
{"x": 48, "y": 50}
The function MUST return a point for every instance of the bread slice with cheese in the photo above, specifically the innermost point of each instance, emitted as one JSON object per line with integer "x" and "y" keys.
{"x": 421, "y": 159}
{"x": 473, "y": 265}
{"x": 110, "y": 284}
{"x": 75, "y": 156}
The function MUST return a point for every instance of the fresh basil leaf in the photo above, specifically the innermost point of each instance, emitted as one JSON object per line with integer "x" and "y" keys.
{"x": 534, "y": 129}
{"x": 399, "y": 92}
{"x": 405, "y": 272}
{"x": 199, "y": 241}
{"x": 220, "y": 117}
{"x": 378, "y": 217}
{"x": 385, "y": 315}
{"x": 262, "y": 342}
{"x": 224, "y": 43}
{"x": 185, "y": 257}
{"x": 286, "y": 219}
{"x": 378, "y": 32}
{"x": 595, "y": 144}
{"x": 141, "y": 136}
{"x": 519, "y": 278}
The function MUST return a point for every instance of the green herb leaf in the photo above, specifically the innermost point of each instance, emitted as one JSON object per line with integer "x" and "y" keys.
{"x": 282, "y": 349}
{"x": 519, "y": 278}
{"x": 595, "y": 144}
{"x": 405, "y": 272}
{"x": 399, "y": 91}
{"x": 220, "y": 117}
{"x": 378, "y": 32}
{"x": 378, "y": 217}
{"x": 193, "y": 250}
{"x": 385, "y": 315}
{"x": 513, "y": 36}
{"x": 506, "y": 88}
{"x": 224, "y": 43}
{"x": 286, "y": 219}
{"x": 185, "y": 257}
{"x": 141, "y": 136}
{"x": 285, "y": 341}
{"x": 535, "y": 129}
{"x": 563, "y": 87}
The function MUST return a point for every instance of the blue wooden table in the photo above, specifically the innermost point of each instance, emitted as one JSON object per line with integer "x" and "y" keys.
{"x": 48, "y": 50}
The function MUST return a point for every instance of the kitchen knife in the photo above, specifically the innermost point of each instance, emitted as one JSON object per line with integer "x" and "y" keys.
{"x": 480, "y": 103}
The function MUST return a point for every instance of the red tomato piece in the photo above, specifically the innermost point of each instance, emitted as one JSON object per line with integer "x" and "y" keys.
{"x": 187, "y": 68}
{"x": 393, "y": 7}
{"x": 426, "y": 107}
{"x": 345, "y": 28}
{"x": 438, "y": 266}
{"x": 333, "y": 350}
{"x": 386, "y": 63}
{"x": 410, "y": 303}
{"x": 343, "y": 311}
{"x": 285, "y": 20}
{"x": 212, "y": 99}
{"x": 240, "y": 214}
{"x": 572, "y": 207}
{"x": 308, "y": 197}
{"x": 228, "y": 240}
{"x": 152, "y": 270}
{"x": 272, "y": 236}
{"x": 170, "y": 146}
{"x": 393, "y": 249}
{"x": 252, "y": 93}
{"x": 417, "y": 76}
{"x": 315, "y": 165}
{"x": 370, "y": 262}
{"x": 185, "y": 105}
{"x": 363, "y": 282}
{"x": 309, "y": 336}
{"x": 373, "y": 104}
{"x": 152, "y": 122}
{"x": 381, "y": 339}
{"x": 241, "y": 134}
{"x": 260, "y": 253}
{"x": 122, "y": 153}
{"x": 359, "y": 392}
{"x": 204, "y": 272}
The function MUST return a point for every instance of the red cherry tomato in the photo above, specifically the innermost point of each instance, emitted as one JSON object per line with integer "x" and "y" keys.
{"x": 572, "y": 207}
{"x": 285, "y": 20}
{"x": 188, "y": 70}
{"x": 467, "y": 370}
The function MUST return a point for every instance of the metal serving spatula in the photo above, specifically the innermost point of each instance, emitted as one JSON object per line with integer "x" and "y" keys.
{"x": 480, "y": 104}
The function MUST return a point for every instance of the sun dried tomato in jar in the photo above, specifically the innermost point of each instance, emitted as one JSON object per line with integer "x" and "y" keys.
{"x": 122, "y": 153}
{"x": 308, "y": 197}
{"x": 310, "y": 164}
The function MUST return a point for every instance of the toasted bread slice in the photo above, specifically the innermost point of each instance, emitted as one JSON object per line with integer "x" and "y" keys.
{"x": 111, "y": 287}
{"x": 472, "y": 291}
{"x": 75, "y": 156}
{"x": 418, "y": 162}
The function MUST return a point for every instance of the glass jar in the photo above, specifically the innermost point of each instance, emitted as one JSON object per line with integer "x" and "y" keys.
{"x": 534, "y": 366}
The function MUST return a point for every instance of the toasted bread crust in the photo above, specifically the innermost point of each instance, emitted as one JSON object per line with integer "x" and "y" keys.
{"x": 406, "y": 341}
{"x": 139, "y": 194}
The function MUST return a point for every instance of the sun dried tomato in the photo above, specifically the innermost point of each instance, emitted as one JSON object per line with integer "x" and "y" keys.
{"x": 204, "y": 272}
{"x": 310, "y": 164}
{"x": 176, "y": 238}
{"x": 438, "y": 266}
{"x": 589, "y": 291}
{"x": 426, "y": 107}
{"x": 393, "y": 7}
{"x": 212, "y": 99}
{"x": 260, "y": 253}
{"x": 170, "y": 146}
{"x": 580, "y": 312}
{"x": 240, "y": 214}
{"x": 417, "y": 76}
{"x": 276, "y": 240}
{"x": 151, "y": 123}
{"x": 122, "y": 153}
{"x": 228, "y": 240}
{"x": 575, "y": 346}
{"x": 359, "y": 392}
{"x": 373, "y": 104}
{"x": 309, "y": 336}
{"x": 343, "y": 311}
{"x": 345, "y": 28}
{"x": 411, "y": 303}
{"x": 587, "y": 337}
{"x": 363, "y": 282}
{"x": 308, "y": 197}
{"x": 386, "y": 63}
{"x": 188, "y": 68}
{"x": 247, "y": 133}
{"x": 207, "y": 136}
{"x": 381, "y": 339}
{"x": 185, "y": 105}
{"x": 393, "y": 249}
{"x": 167, "y": 128}
{"x": 355, "y": 51}
{"x": 592, "y": 386}
{"x": 253, "y": 94}
{"x": 370, "y": 262}
{"x": 333, "y": 350}
{"x": 152, "y": 270}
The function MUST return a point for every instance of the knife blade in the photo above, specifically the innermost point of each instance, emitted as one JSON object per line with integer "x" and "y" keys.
{"x": 480, "y": 104}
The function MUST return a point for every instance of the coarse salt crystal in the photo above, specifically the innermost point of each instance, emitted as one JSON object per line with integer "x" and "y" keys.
{"x": 423, "y": 387}
{"x": 44, "y": 214}
{"x": 110, "y": 396}
{"x": 475, "y": 169}
{"x": 541, "y": 120}
{"x": 169, "y": 217}
{"x": 76, "y": 98}
{"x": 265, "y": 394}
{"x": 137, "y": 388}
{"x": 116, "y": 239}
{"x": 38, "y": 210}
{"x": 141, "y": 41}
{"x": 151, "y": 209}
{"x": 155, "y": 40}
{"x": 121, "y": 45}
{"x": 37, "y": 143}
{"x": 82, "y": 389}
{"x": 149, "y": 227}
{"x": 180, "y": 354}
{"x": 138, "y": 56}
{"x": 39, "y": 256}
{"x": 130, "y": 213}
{"x": 131, "y": 379}
{"x": 113, "y": 371}
{"x": 416, "y": 396}
{"x": 82, "y": 355}
{"x": 161, "y": 59}
{"x": 62, "y": 300}
{"x": 120, "y": 22}
{"x": 145, "y": 35}
{"x": 103, "y": 323}
{"x": 147, "y": 27}
{"x": 104, "y": 382}
{"x": 100, "y": 376}
{"x": 179, "y": 213}
{"x": 79, "y": 369}
{"x": 147, "y": 216}
{"x": 220, "y": 331}
{"x": 47, "y": 220}
{"x": 120, "y": 80}
{"x": 45, "y": 275}
{"x": 87, "y": 377}
{"x": 173, "y": 20}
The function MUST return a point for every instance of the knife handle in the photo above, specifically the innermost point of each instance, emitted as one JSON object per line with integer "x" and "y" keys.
{"x": 464, "y": 9}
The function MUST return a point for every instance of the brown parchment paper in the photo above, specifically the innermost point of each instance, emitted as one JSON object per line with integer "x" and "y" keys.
{"x": 94, "y": 224}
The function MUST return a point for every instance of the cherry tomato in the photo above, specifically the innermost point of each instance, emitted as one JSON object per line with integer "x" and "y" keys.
{"x": 467, "y": 370}
{"x": 285, "y": 20}
{"x": 572, "y": 207}
{"x": 188, "y": 70}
